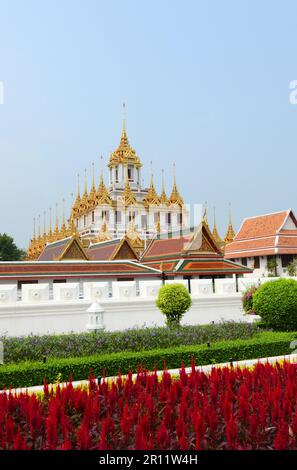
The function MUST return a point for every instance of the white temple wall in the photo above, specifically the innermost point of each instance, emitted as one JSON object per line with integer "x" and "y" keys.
{"x": 132, "y": 305}
{"x": 61, "y": 317}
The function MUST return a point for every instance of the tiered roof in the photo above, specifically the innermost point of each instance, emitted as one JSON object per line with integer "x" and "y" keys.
{"x": 194, "y": 252}
{"x": 267, "y": 234}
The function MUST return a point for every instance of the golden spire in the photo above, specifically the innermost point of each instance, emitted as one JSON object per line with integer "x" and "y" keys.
{"x": 152, "y": 197}
{"x": 92, "y": 195}
{"x": 102, "y": 194}
{"x": 63, "y": 229}
{"x": 175, "y": 197}
{"x": 128, "y": 196}
{"x": 44, "y": 229}
{"x": 215, "y": 232}
{"x": 76, "y": 204}
{"x": 31, "y": 251}
{"x": 103, "y": 234}
{"x": 230, "y": 234}
{"x": 50, "y": 236}
{"x": 163, "y": 197}
{"x": 85, "y": 196}
{"x": 57, "y": 231}
{"x": 124, "y": 153}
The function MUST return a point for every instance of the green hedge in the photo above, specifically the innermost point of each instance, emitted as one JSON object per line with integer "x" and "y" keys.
{"x": 34, "y": 347}
{"x": 32, "y": 373}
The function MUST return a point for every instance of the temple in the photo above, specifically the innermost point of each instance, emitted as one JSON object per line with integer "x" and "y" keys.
{"x": 123, "y": 208}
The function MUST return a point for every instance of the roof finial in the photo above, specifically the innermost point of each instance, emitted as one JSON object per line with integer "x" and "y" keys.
{"x": 230, "y": 234}
{"x": 63, "y": 211}
{"x": 93, "y": 175}
{"x": 215, "y": 232}
{"x": 124, "y": 116}
{"x": 44, "y": 227}
{"x": 205, "y": 216}
{"x": 163, "y": 197}
{"x": 34, "y": 228}
{"x": 175, "y": 197}
{"x": 86, "y": 184}
{"x": 57, "y": 224}
{"x": 78, "y": 186}
{"x": 39, "y": 235}
{"x": 101, "y": 164}
{"x": 50, "y": 231}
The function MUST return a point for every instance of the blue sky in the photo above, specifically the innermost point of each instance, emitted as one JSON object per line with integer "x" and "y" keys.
{"x": 206, "y": 84}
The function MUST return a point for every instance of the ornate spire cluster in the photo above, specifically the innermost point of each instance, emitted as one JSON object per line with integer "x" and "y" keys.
{"x": 230, "y": 233}
{"x": 38, "y": 242}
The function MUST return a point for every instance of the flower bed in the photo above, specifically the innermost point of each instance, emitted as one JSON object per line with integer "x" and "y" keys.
{"x": 227, "y": 409}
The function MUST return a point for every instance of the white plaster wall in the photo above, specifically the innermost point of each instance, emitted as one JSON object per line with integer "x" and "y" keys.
{"x": 22, "y": 318}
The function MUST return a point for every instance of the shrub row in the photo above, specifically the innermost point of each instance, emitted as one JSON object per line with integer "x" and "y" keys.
{"x": 32, "y": 373}
{"x": 33, "y": 347}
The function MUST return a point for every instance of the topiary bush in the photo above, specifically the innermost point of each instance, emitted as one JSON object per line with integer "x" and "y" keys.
{"x": 173, "y": 300}
{"x": 276, "y": 303}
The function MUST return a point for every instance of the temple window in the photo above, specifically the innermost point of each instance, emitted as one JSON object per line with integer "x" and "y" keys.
{"x": 105, "y": 214}
{"x": 85, "y": 220}
{"x": 130, "y": 172}
{"x": 180, "y": 218}
{"x": 286, "y": 259}
{"x": 93, "y": 216}
{"x": 168, "y": 218}
{"x": 144, "y": 221}
{"x": 256, "y": 262}
{"x": 244, "y": 261}
{"x": 117, "y": 174}
{"x": 118, "y": 217}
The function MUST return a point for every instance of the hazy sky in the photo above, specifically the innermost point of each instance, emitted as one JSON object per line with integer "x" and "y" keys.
{"x": 206, "y": 84}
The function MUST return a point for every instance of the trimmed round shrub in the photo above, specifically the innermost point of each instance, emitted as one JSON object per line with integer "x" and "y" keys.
{"x": 276, "y": 303}
{"x": 173, "y": 300}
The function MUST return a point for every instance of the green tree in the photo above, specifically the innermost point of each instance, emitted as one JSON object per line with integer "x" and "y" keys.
{"x": 292, "y": 268}
{"x": 8, "y": 249}
{"x": 173, "y": 300}
{"x": 272, "y": 267}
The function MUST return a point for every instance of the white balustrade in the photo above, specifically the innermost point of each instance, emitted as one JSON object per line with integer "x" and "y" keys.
{"x": 124, "y": 290}
{"x": 201, "y": 287}
{"x": 35, "y": 292}
{"x": 8, "y": 293}
{"x": 149, "y": 289}
{"x": 267, "y": 279}
{"x": 225, "y": 286}
{"x": 66, "y": 291}
{"x": 177, "y": 281}
{"x": 96, "y": 290}
{"x": 245, "y": 283}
